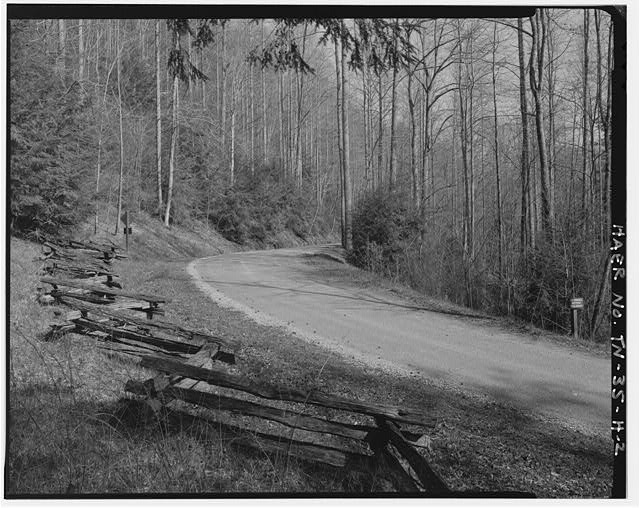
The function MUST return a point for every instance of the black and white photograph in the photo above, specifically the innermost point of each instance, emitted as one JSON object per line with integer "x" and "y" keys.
{"x": 353, "y": 251}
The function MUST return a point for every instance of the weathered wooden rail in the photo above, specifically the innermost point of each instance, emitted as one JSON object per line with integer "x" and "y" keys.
{"x": 369, "y": 434}
{"x": 122, "y": 333}
{"x": 80, "y": 260}
{"x": 105, "y": 294}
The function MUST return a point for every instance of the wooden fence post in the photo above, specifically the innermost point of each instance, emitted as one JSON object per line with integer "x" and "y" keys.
{"x": 127, "y": 231}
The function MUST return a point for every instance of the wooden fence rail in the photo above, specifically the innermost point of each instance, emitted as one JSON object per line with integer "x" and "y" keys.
{"x": 219, "y": 378}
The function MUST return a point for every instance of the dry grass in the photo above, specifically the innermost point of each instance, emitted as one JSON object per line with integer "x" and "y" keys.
{"x": 72, "y": 429}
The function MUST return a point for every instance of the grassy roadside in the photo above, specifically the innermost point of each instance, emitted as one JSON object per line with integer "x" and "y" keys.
{"x": 71, "y": 430}
{"x": 350, "y": 275}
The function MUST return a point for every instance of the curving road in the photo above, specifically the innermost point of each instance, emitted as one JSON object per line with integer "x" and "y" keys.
{"x": 282, "y": 287}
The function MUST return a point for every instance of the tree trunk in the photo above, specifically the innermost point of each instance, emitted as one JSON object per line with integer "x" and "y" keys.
{"x": 290, "y": 127}
{"x": 466, "y": 144}
{"x": 158, "y": 119}
{"x": 300, "y": 89}
{"x": 218, "y": 80}
{"x": 81, "y": 55}
{"x": 252, "y": 100}
{"x": 380, "y": 130}
{"x": 264, "y": 107}
{"x": 464, "y": 148}
{"x": 414, "y": 166}
{"x": 471, "y": 161}
{"x": 341, "y": 158}
{"x": 585, "y": 120}
{"x": 495, "y": 148}
{"x": 121, "y": 179}
{"x": 62, "y": 48}
{"x": 232, "y": 164}
{"x": 101, "y": 121}
{"x": 604, "y": 114}
{"x": 423, "y": 191}
{"x": 572, "y": 200}
{"x": 551, "y": 86}
{"x": 527, "y": 235}
{"x": 392, "y": 139}
{"x": 253, "y": 120}
{"x": 174, "y": 135}
{"x": 536, "y": 65}
{"x": 365, "y": 125}
{"x": 223, "y": 103}
{"x": 203, "y": 82}
{"x": 281, "y": 118}
{"x": 345, "y": 152}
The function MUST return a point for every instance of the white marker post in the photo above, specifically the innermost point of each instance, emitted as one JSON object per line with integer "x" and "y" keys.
{"x": 576, "y": 304}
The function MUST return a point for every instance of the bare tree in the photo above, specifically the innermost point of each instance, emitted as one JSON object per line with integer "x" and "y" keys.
{"x": 252, "y": 109}
{"x": 264, "y": 105}
{"x": 392, "y": 140}
{"x": 223, "y": 82}
{"x": 158, "y": 117}
{"x": 527, "y": 232}
{"x": 536, "y": 73}
{"x": 62, "y": 48}
{"x": 585, "y": 115}
{"x": 346, "y": 174}
{"x": 81, "y": 56}
{"x": 341, "y": 157}
{"x": 465, "y": 102}
{"x": 299, "y": 95}
{"x": 379, "y": 141}
{"x": 232, "y": 158}
{"x": 495, "y": 147}
{"x": 103, "y": 106}
{"x": 174, "y": 130}
{"x": 121, "y": 179}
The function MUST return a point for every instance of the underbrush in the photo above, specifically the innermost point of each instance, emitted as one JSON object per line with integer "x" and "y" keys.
{"x": 263, "y": 211}
{"x": 536, "y": 287}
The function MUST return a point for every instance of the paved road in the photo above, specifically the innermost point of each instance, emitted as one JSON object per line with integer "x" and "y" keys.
{"x": 283, "y": 287}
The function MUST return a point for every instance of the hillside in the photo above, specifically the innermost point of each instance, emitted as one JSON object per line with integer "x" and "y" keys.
{"x": 151, "y": 239}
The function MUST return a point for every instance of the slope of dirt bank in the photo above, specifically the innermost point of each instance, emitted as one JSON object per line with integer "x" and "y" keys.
{"x": 152, "y": 239}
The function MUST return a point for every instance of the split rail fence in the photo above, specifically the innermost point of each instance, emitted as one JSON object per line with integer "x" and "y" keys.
{"x": 314, "y": 426}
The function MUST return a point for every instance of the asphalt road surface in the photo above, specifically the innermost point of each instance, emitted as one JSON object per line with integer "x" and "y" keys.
{"x": 284, "y": 288}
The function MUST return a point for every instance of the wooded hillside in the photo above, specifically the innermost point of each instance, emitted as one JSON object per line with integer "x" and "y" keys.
{"x": 470, "y": 158}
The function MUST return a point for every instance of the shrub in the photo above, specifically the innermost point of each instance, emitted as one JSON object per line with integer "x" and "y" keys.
{"x": 257, "y": 208}
{"x": 547, "y": 281}
{"x": 383, "y": 228}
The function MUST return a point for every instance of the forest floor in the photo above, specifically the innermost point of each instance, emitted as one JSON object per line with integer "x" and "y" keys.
{"x": 72, "y": 430}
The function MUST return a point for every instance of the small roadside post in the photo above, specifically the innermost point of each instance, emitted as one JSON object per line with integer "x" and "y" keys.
{"x": 127, "y": 230}
{"x": 576, "y": 304}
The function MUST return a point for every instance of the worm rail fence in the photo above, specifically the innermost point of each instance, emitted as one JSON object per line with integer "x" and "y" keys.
{"x": 198, "y": 369}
